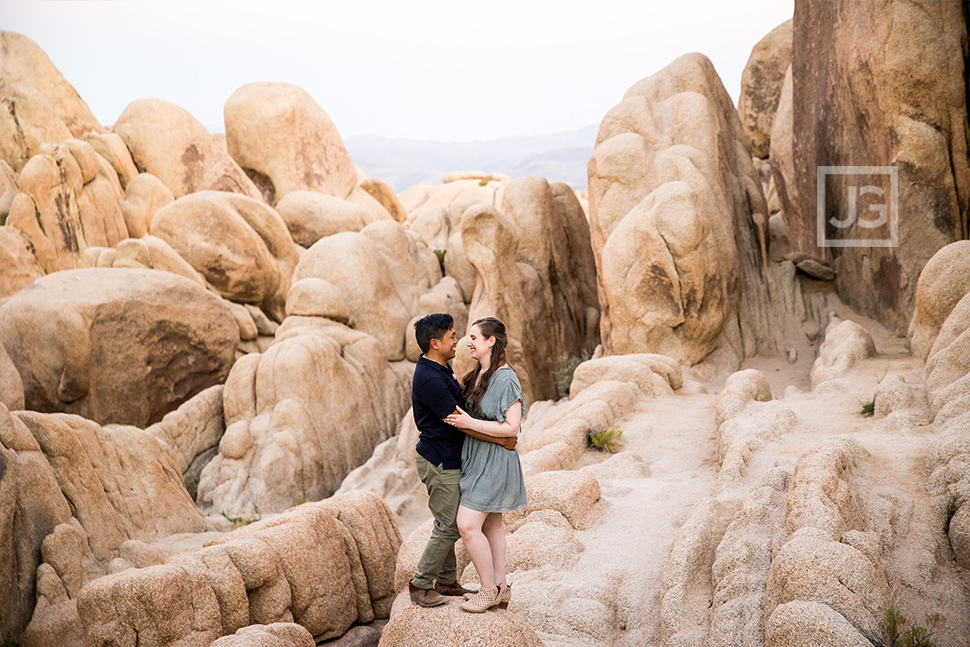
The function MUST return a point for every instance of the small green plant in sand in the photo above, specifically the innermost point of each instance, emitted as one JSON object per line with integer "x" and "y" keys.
{"x": 483, "y": 182}
{"x": 607, "y": 440}
{"x": 238, "y": 522}
{"x": 299, "y": 499}
{"x": 868, "y": 408}
{"x": 915, "y": 635}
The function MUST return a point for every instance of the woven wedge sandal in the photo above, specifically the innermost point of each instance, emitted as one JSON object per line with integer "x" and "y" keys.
{"x": 481, "y": 602}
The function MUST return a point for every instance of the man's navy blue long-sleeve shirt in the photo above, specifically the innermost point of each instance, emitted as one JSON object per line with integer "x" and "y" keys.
{"x": 434, "y": 395}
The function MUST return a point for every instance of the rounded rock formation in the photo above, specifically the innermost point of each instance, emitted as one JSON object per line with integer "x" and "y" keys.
{"x": 268, "y": 127}
{"x": 116, "y": 345}
{"x": 168, "y": 142}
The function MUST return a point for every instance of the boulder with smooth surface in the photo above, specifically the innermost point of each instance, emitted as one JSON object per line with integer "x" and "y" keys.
{"x": 168, "y": 142}
{"x": 678, "y": 222}
{"x": 761, "y": 84}
{"x": 278, "y": 133}
{"x": 40, "y": 106}
{"x": 240, "y": 245}
{"x": 301, "y": 416}
{"x": 895, "y": 97}
{"x": 116, "y": 345}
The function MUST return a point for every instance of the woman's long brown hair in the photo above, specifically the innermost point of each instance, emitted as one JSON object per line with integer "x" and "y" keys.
{"x": 472, "y": 393}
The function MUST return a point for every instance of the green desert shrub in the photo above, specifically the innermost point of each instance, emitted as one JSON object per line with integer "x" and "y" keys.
{"x": 607, "y": 440}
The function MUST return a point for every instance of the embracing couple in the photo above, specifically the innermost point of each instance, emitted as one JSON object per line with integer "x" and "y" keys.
{"x": 466, "y": 458}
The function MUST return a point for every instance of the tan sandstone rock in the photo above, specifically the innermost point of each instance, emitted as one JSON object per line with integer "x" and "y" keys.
{"x": 279, "y": 570}
{"x": 116, "y": 345}
{"x": 815, "y": 569}
{"x": 384, "y": 193}
{"x": 571, "y": 493}
{"x": 678, "y": 222}
{"x": 168, "y": 142}
{"x": 943, "y": 282}
{"x": 654, "y": 375}
{"x": 46, "y": 210}
{"x": 378, "y": 274}
{"x": 194, "y": 429}
{"x": 20, "y": 266}
{"x": 740, "y": 389}
{"x": 268, "y": 126}
{"x": 31, "y": 507}
{"x": 310, "y": 216}
{"x": 846, "y": 343}
{"x": 449, "y": 626}
{"x": 761, "y": 84}
{"x": 805, "y": 624}
{"x": 143, "y": 500}
{"x": 904, "y": 78}
{"x": 40, "y": 106}
{"x": 279, "y": 634}
{"x": 11, "y": 386}
{"x": 301, "y": 416}
{"x": 145, "y": 194}
{"x": 240, "y": 245}
{"x": 549, "y": 286}
{"x": 112, "y": 148}
{"x": 781, "y": 155}
{"x": 149, "y": 253}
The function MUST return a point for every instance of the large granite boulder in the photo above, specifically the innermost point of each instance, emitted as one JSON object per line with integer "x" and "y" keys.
{"x": 943, "y": 282}
{"x": 761, "y": 84}
{"x": 20, "y": 266}
{"x": 550, "y": 286}
{"x": 240, "y": 245}
{"x": 73, "y": 494}
{"x": 310, "y": 216}
{"x": 301, "y": 416}
{"x": 168, "y": 142}
{"x": 11, "y": 386}
{"x": 122, "y": 482}
{"x": 449, "y": 626}
{"x": 39, "y": 105}
{"x": 68, "y": 200}
{"x": 372, "y": 280}
{"x": 880, "y": 83}
{"x": 678, "y": 222}
{"x": 282, "y": 570}
{"x": 145, "y": 194}
{"x": 117, "y": 345}
{"x": 31, "y": 506}
{"x": 113, "y": 149}
{"x": 278, "y": 133}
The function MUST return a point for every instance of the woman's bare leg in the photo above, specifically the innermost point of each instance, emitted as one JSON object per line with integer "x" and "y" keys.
{"x": 470, "y": 523}
{"x": 494, "y": 531}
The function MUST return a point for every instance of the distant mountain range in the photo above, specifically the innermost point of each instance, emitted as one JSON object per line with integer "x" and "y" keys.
{"x": 560, "y": 157}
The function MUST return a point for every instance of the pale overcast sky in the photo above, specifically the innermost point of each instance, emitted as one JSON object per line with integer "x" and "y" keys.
{"x": 445, "y": 71}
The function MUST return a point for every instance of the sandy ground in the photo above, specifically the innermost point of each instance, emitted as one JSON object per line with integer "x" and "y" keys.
{"x": 626, "y": 550}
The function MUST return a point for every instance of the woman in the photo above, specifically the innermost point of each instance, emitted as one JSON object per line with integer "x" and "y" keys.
{"x": 491, "y": 476}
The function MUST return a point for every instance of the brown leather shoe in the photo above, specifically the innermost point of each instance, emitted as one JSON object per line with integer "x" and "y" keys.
{"x": 424, "y": 597}
{"x": 453, "y": 589}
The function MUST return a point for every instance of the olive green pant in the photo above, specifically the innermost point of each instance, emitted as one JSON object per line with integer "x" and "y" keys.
{"x": 438, "y": 560}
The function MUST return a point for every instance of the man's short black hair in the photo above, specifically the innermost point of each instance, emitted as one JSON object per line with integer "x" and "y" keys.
{"x": 432, "y": 326}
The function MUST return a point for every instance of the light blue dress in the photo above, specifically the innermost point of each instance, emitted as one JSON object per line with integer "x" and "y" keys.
{"x": 491, "y": 476}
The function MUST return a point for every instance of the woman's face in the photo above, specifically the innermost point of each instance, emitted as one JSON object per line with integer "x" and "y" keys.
{"x": 479, "y": 346}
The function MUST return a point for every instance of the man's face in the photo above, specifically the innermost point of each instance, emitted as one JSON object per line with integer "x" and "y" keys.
{"x": 448, "y": 344}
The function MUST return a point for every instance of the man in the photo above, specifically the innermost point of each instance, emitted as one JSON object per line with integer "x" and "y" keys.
{"x": 435, "y": 394}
